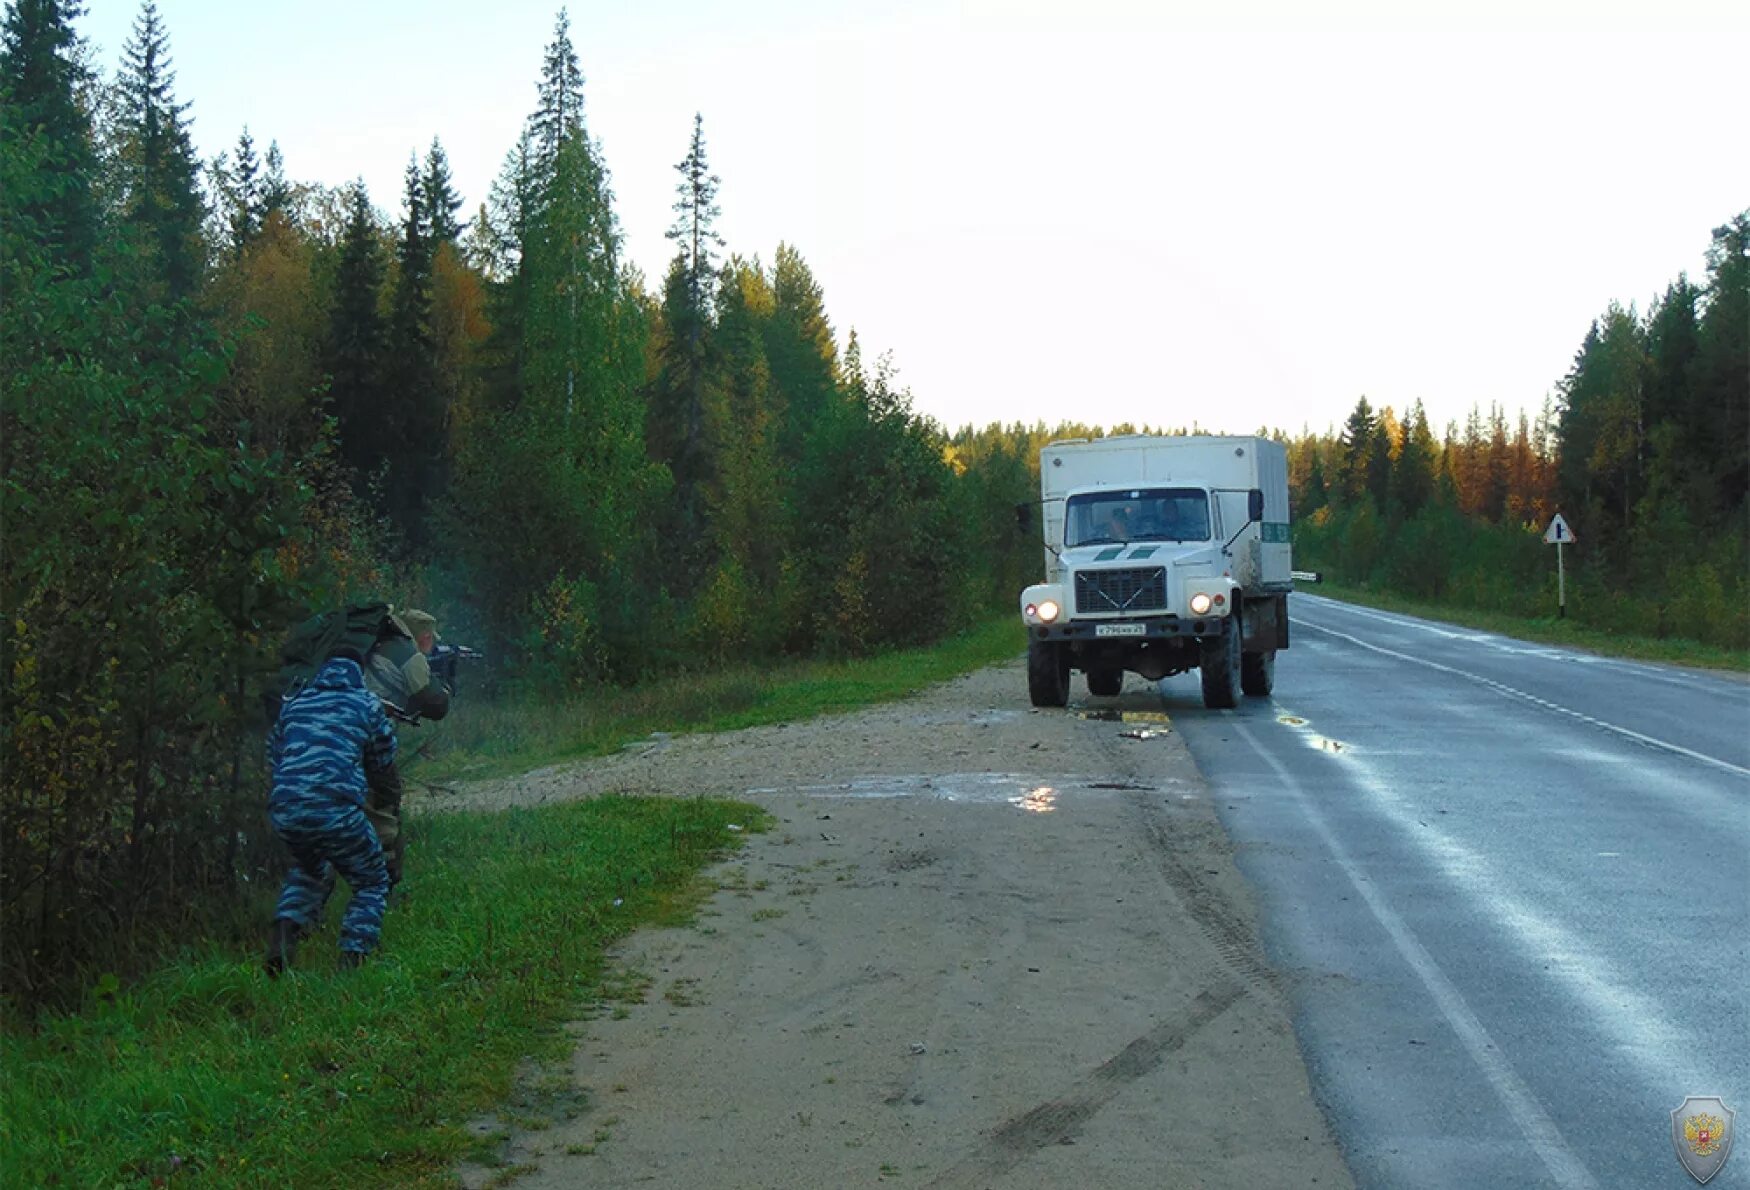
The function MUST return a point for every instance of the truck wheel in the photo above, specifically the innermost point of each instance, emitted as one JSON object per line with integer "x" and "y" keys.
{"x": 1221, "y": 669}
{"x": 1107, "y": 683}
{"x": 1258, "y": 673}
{"x": 1047, "y": 674}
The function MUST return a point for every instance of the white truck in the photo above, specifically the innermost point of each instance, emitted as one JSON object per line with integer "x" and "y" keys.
{"x": 1161, "y": 555}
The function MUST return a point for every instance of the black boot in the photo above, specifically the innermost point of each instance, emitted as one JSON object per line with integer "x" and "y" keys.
{"x": 351, "y": 960}
{"x": 282, "y": 946}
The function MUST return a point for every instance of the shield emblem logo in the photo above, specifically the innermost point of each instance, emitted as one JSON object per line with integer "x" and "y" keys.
{"x": 1701, "y": 1132}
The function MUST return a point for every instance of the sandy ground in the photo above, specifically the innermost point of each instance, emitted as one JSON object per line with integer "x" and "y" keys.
{"x": 983, "y": 947}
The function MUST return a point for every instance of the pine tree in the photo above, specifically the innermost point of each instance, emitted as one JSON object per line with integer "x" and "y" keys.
{"x": 441, "y": 200}
{"x": 356, "y": 339}
{"x": 41, "y": 120}
{"x": 161, "y": 191}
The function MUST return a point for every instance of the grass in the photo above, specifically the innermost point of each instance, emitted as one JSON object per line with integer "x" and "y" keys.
{"x": 208, "y": 1071}
{"x": 503, "y": 738}
{"x": 1548, "y": 629}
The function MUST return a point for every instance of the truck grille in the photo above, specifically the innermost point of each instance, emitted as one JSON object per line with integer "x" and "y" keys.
{"x": 1142, "y": 589}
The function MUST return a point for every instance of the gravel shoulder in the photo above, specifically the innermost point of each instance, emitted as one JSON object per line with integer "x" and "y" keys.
{"x": 983, "y": 947}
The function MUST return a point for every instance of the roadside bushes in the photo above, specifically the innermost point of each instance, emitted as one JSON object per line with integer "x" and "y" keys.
{"x": 1678, "y": 583}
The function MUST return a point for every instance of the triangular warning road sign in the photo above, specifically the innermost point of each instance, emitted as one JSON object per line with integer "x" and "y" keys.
{"x": 1558, "y": 532}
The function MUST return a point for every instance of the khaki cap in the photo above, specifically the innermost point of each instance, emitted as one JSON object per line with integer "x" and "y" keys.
{"x": 419, "y": 622}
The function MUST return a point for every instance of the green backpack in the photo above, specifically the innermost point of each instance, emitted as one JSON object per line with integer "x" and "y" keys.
{"x": 352, "y": 631}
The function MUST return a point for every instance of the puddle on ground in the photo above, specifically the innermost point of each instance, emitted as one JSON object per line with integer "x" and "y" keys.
{"x": 1124, "y": 716}
{"x": 1030, "y": 792}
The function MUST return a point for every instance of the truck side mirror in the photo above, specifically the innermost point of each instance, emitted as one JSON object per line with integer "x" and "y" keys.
{"x": 1255, "y": 504}
{"x": 1024, "y": 517}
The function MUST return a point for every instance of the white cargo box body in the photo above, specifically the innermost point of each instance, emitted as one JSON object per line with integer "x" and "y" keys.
{"x": 1228, "y": 466}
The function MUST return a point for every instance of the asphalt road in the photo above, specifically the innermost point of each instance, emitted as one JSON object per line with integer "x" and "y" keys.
{"x": 1511, "y": 886}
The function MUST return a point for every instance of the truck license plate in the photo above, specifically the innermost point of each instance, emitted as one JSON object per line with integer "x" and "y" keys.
{"x": 1120, "y": 630}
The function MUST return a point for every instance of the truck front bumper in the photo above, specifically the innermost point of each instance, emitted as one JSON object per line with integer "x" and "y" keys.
{"x": 1153, "y": 628}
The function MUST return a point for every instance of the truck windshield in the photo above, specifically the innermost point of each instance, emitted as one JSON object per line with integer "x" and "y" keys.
{"x": 1138, "y": 514}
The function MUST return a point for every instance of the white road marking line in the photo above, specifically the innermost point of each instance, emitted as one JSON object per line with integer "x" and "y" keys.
{"x": 1503, "y": 688}
{"x": 1639, "y": 669}
{"x": 1521, "y": 1105}
{"x": 1636, "y": 1021}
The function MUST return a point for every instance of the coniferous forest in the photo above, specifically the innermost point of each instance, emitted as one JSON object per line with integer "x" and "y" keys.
{"x": 231, "y": 398}
{"x": 1645, "y": 451}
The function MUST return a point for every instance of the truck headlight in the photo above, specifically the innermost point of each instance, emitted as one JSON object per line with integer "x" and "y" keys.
{"x": 1200, "y": 604}
{"x": 1047, "y": 611}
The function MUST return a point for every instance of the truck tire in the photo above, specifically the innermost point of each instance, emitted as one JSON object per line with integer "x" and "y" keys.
{"x": 1221, "y": 668}
{"x": 1258, "y": 673}
{"x": 1047, "y": 674}
{"x": 1107, "y": 683}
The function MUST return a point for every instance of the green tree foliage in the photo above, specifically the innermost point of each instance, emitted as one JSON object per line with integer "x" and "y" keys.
{"x": 1358, "y": 437}
{"x": 161, "y": 200}
{"x": 441, "y": 200}
{"x": 1413, "y": 474}
{"x": 276, "y": 192}
{"x": 682, "y": 400}
{"x": 411, "y": 411}
{"x": 43, "y": 122}
{"x": 358, "y": 338}
{"x": 240, "y": 184}
{"x": 561, "y": 462}
{"x": 800, "y": 347}
{"x": 146, "y": 546}
{"x": 1718, "y": 375}
{"x": 1645, "y": 450}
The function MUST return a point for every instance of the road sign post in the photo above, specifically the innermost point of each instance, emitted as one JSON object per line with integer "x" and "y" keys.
{"x": 1558, "y": 534}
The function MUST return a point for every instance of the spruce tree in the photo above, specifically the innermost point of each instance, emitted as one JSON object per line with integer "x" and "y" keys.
{"x": 440, "y": 197}
{"x": 161, "y": 189}
{"x": 1413, "y": 473}
{"x": 276, "y": 192}
{"x": 696, "y": 212}
{"x": 356, "y": 339}
{"x": 1357, "y": 447}
{"x": 558, "y": 115}
{"x": 1719, "y": 375}
{"x": 799, "y": 344}
{"x": 41, "y": 78}
{"x": 244, "y": 194}
{"x": 676, "y": 427}
{"x": 412, "y": 410}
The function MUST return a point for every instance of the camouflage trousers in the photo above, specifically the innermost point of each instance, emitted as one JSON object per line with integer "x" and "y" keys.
{"x": 327, "y": 838}
{"x": 387, "y": 821}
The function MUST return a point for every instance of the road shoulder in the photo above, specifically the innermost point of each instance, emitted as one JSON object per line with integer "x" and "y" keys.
{"x": 983, "y": 946}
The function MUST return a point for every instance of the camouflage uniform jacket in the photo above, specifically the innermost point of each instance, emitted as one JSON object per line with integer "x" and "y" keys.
{"x": 332, "y": 742}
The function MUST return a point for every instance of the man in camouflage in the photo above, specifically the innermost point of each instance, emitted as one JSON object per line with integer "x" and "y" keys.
{"x": 397, "y": 671}
{"x": 332, "y": 745}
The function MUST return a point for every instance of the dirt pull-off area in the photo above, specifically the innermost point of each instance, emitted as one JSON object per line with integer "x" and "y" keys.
{"x": 983, "y": 946}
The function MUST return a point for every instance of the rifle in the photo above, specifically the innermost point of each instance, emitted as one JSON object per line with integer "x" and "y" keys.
{"x": 444, "y": 660}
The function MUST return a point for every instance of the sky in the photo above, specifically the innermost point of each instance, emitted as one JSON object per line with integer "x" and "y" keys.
{"x": 1106, "y": 211}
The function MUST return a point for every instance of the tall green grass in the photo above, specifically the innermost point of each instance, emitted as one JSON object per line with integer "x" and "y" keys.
{"x": 485, "y": 739}
{"x": 210, "y": 1073}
